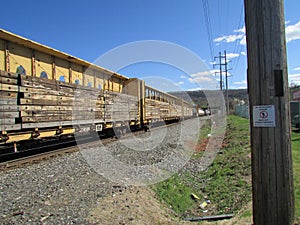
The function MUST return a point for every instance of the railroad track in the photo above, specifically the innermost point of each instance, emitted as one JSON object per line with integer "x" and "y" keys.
{"x": 49, "y": 150}
{"x": 35, "y": 158}
{"x": 56, "y": 148}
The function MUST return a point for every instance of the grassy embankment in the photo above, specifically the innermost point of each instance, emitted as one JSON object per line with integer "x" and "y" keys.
{"x": 296, "y": 167}
{"x": 227, "y": 182}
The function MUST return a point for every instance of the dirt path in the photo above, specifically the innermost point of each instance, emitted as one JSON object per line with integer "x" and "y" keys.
{"x": 135, "y": 205}
{"x": 138, "y": 206}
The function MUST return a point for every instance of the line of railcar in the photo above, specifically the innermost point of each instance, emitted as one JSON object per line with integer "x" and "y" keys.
{"x": 47, "y": 93}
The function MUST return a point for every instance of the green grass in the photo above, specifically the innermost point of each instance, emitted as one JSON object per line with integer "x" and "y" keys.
{"x": 226, "y": 183}
{"x": 175, "y": 194}
{"x": 246, "y": 214}
{"x": 296, "y": 167}
{"x": 203, "y": 135}
{"x": 228, "y": 178}
{"x": 205, "y": 129}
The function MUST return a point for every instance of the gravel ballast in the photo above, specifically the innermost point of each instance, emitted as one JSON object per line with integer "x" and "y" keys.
{"x": 63, "y": 190}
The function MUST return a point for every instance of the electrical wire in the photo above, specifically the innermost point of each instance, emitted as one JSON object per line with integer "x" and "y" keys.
{"x": 238, "y": 48}
{"x": 208, "y": 27}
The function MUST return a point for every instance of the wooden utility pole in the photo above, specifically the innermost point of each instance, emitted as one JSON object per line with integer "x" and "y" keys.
{"x": 272, "y": 175}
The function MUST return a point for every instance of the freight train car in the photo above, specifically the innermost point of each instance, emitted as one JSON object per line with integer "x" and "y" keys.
{"x": 47, "y": 93}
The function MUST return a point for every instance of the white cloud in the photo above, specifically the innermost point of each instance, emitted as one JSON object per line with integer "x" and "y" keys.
{"x": 240, "y": 82}
{"x": 234, "y": 37}
{"x": 229, "y": 38}
{"x": 243, "y": 53}
{"x": 243, "y": 41}
{"x": 231, "y": 55}
{"x": 203, "y": 76}
{"x": 239, "y": 85}
{"x": 182, "y": 76}
{"x": 200, "y": 79}
{"x": 204, "y": 73}
{"x": 179, "y": 83}
{"x": 294, "y": 77}
{"x": 293, "y": 32}
{"x": 297, "y": 68}
{"x": 242, "y": 30}
{"x": 194, "y": 89}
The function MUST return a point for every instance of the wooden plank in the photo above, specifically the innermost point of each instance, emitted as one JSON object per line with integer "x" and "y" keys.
{"x": 57, "y": 86}
{"x": 61, "y": 123}
{"x": 48, "y": 118}
{"x": 41, "y": 102}
{"x": 39, "y": 99}
{"x": 44, "y": 91}
{"x": 26, "y": 78}
{"x": 56, "y": 108}
{"x": 8, "y": 127}
{"x": 4, "y": 115}
{"x": 36, "y": 81}
{"x": 60, "y": 113}
{"x": 29, "y": 95}
{"x": 8, "y": 74}
{"x": 45, "y": 108}
{"x": 8, "y": 94}
{"x": 59, "y": 91}
{"x": 9, "y": 87}
{"x": 43, "y": 113}
{"x": 7, "y": 121}
{"x": 7, "y": 80}
{"x": 9, "y": 108}
{"x": 8, "y": 101}
{"x": 48, "y": 86}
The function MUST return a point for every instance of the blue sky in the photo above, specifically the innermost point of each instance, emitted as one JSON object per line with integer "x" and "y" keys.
{"x": 89, "y": 29}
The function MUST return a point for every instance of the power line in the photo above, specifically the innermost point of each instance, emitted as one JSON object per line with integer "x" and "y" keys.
{"x": 208, "y": 26}
{"x": 238, "y": 46}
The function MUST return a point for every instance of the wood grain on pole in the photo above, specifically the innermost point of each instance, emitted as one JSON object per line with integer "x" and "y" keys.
{"x": 272, "y": 177}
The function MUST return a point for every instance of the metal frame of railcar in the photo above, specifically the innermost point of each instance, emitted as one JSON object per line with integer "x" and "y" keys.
{"x": 21, "y": 55}
{"x": 31, "y": 79}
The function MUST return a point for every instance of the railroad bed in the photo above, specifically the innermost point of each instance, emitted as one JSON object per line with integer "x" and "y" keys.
{"x": 64, "y": 190}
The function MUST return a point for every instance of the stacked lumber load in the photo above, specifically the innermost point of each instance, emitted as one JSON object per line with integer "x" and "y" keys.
{"x": 161, "y": 110}
{"x": 152, "y": 109}
{"x": 175, "y": 110}
{"x": 50, "y": 102}
{"x": 164, "y": 109}
{"x": 9, "y": 111}
{"x": 44, "y": 100}
{"x": 188, "y": 111}
{"x": 120, "y": 107}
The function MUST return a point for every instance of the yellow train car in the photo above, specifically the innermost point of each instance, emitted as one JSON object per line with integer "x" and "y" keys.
{"x": 45, "y": 92}
{"x": 38, "y": 90}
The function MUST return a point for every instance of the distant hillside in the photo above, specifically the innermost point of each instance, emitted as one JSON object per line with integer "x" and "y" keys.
{"x": 199, "y": 98}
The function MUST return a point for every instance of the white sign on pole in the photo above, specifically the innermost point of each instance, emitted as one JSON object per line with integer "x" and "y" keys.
{"x": 264, "y": 116}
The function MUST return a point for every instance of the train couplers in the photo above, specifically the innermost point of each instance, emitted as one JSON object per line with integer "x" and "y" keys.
{"x": 59, "y": 131}
{"x": 3, "y": 137}
{"x": 35, "y": 134}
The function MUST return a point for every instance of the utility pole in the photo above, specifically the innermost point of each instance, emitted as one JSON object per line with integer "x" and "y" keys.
{"x": 226, "y": 77}
{"x": 271, "y": 155}
{"x": 220, "y": 64}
